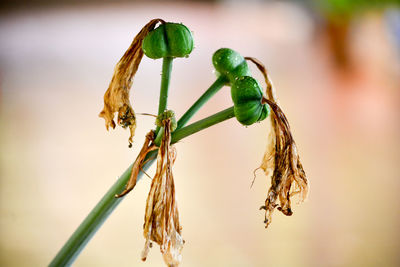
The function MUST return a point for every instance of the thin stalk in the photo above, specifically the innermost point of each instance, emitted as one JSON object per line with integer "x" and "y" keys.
{"x": 214, "y": 88}
{"x": 108, "y": 203}
{"x": 210, "y": 92}
{"x": 165, "y": 78}
{"x": 202, "y": 124}
{"x": 82, "y": 235}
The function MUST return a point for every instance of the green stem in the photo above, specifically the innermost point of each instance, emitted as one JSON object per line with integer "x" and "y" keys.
{"x": 71, "y": 249}
{"x": 202, "y": 124}
{"x": 165, "y": 78}
{"x": 108, "y": 203}
{"x": 210, "y": 92}
{"x": 82, "y": 235}
{"x": 214, "y": 88}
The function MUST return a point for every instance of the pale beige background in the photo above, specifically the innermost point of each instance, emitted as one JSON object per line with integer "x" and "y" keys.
{"x": 57, "y": 160}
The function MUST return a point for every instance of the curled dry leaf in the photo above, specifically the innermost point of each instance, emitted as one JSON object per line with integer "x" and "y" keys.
{"x": 116, "y": 98}
{"x": 161, "y": 218}
{"x": 138, "y": 164}
{"x": 281, "y": 157}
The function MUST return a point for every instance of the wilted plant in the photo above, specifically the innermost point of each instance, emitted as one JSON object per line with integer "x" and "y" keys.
{"x": 250, "y": 105}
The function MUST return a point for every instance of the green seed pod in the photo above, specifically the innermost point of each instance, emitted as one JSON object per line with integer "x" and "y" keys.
{"x": 230, "y": 64}
{"x": 246, "y": 96}
{"x": 168, "y": 40}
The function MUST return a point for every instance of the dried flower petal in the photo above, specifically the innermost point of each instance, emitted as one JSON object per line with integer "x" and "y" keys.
{"x": 161, "y": 218}
{"x": 138, "y": 164}
{"x": 288, "y": 176}
{"x": 116, "y": 98}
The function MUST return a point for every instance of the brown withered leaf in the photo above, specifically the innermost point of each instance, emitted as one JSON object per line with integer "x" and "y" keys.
{"x": 161, "y": 218}
{"x": 138, "y": 164}
{"x": 281, "y": 157}
{"x": 116, "y": 98}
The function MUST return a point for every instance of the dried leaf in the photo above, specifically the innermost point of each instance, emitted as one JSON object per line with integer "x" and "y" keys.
{"x": 161, "y": 218}
{"x": 281, "y": 158}
{"x": 138, "y": 164}
{"x": 116, "y": 98}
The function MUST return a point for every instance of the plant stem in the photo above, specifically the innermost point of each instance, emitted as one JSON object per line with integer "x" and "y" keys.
{"x": 71, "y": 249}
{"x": 214, "y": 88}
{"x": 210, "y": 92}
{"x": 96, "y": 218}
{"x": 108, "y": 203}
{"x": 202, "y": 124}
{"x": 165, "y": 78}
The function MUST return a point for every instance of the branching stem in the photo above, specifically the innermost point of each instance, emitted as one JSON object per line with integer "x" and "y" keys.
{"x": 202, "y": 124}
{"x": 71, "y": 249}
{"x": 210, "y": 92}
{"x": 214, "y": 88}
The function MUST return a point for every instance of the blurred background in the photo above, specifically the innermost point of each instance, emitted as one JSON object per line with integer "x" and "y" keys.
{"x": 336, "y": 68}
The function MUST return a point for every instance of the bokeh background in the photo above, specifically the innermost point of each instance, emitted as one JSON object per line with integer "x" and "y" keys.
{"x": 335, "y": 65}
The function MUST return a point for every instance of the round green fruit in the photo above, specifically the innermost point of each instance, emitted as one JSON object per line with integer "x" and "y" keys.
{"x": 230, "y": 64}
{"x": 168, "y": 40}
{"x": 247, "y": 96}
